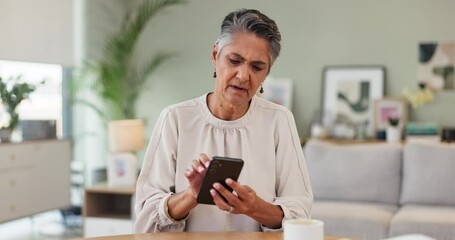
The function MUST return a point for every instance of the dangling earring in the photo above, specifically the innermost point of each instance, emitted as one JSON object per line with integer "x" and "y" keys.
{"x": 214, "y": 74}
{"x": 262, "y": 90}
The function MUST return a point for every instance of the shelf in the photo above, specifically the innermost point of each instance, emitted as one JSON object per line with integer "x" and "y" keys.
{"x": 107, "y": 206}
{"x": 104, "y": 188}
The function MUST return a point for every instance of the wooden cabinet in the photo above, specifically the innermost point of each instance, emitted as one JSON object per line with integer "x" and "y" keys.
{"x": 34, "y": 177}
{"x": 108, "y": 210}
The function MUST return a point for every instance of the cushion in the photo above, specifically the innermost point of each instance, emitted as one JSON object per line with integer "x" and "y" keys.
{"x": 354, "y": 220}
{"x": 435, "y": 221}
{"x": 429, "y": 173}
{"x": 355, "y": 172}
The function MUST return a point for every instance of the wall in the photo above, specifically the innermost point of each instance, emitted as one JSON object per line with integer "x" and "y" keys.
{"x": 37, "y": 31}
{"x": 316, "y": 33}
{"x": 95, "y": 19}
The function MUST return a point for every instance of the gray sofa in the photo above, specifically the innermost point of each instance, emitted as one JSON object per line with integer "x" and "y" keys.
{"x": 381, "y": 190}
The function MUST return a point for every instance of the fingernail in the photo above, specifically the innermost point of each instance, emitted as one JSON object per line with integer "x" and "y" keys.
{"x": 200, "y": 168}
{"x": 216, "y": 185}
{"x": 207, "y": 164}
{"x": 229, "y": 181}
{"x": 212, "y": 191}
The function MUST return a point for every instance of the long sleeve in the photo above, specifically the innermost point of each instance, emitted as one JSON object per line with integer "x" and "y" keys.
{"x": 157, "y": 178}
{"x": 294, "y": 193}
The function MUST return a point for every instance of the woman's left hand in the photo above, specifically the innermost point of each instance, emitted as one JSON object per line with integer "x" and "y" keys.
{"x": 242, "y": 201}
{"x": 245, "y": 201}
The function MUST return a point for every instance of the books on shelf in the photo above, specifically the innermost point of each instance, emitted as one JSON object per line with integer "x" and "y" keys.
{"x": 421, "y": 131}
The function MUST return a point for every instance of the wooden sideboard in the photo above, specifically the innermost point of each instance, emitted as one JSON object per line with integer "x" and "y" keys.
{"x": 108, "y": 210}
{"x": 34, "y": 177}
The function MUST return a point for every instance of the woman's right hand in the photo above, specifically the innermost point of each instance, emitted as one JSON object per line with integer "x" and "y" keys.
{"x": 180, "y": 204}
{"x": 196, "y": 174}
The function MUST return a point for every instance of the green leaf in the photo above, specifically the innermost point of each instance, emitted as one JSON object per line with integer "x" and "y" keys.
{"x": 113, "y": 78}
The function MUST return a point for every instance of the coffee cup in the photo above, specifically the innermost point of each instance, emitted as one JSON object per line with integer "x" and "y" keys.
{"x": 308, "y": 229}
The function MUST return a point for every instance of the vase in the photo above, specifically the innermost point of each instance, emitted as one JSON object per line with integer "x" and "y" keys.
{"x": 5, "y": 134}
{"x": 393, "y": 134}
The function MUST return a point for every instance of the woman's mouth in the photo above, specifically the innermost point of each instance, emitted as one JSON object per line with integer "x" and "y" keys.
{"x": 237, "y": 88}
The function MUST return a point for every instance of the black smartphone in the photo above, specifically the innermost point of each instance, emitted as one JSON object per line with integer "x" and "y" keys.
{"x": 218, "y": 170}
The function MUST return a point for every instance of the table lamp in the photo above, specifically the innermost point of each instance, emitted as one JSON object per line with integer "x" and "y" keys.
{"x": 125, "y": 137}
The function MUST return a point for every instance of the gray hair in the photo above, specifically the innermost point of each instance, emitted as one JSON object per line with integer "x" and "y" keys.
{"x": 253, "y": 21}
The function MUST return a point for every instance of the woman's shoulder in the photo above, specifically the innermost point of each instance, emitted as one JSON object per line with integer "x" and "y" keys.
{"x": 187, "y": 104}
{"x": 273, "y": 110}
{"x": 265, "y": 104}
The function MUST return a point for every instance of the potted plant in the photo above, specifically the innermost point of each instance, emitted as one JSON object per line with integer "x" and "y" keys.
{"x": 115, "y": 79}
{"x": 12, "y": 92}
{"x": 393, "y": 130}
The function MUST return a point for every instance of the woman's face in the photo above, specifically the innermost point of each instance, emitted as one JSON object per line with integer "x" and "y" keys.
{"x": 241, "y": 67}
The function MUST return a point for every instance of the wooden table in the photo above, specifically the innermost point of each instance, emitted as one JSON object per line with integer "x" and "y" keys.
{"x": 200, "y": 236}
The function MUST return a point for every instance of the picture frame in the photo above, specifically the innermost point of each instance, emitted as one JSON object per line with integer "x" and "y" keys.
{"x": 278, "y": 91}
{"x": 385, "y": 108}
{"x": 348, "y": 94}
{"x": 436, "y": 65}
{"x": 121, "y": 169}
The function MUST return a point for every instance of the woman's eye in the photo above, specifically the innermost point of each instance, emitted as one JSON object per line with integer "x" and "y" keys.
{"x": 256, "y": 68}
{"x": 233, "y": 61}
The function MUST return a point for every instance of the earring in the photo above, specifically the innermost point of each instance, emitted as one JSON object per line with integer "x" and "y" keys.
{"x": 214, "y": 74}
{"x": 262, "y": 90}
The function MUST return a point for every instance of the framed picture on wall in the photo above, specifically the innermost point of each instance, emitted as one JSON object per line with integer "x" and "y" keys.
{"x": 386, "y": 108}
{"x": 278, "y": 91}
{"x": 348, "y": 94}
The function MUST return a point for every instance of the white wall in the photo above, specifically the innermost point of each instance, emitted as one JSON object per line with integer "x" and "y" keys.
{"x": 37, "y": 31}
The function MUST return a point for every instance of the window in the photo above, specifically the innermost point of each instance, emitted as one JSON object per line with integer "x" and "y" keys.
{"x": 47, "y": 101}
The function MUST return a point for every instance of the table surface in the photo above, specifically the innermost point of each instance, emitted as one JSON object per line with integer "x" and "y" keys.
{"x": 200, "y": 236}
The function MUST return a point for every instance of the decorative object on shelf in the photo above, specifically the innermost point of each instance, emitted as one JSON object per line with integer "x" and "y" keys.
{"x": 422, "y": 131}
{"x": 278, "y": 91}
{"x": 317, "y": 128}
{"x": 422, "y": 96}
{"x": 348, "y": 98}
{"x": 38, "y": 129}
{"x": 387, "y": 109}
{"x": 115, "y": 79}
{"x": 12, "y": 92}
{"x": 393, "y": 130}
{"x": 448, "y": 134}
{"x": 125, "y": 137}
{"x": 436, "y": 65}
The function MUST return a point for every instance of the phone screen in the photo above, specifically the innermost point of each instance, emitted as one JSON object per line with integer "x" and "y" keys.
{"x": 219, "y": 169}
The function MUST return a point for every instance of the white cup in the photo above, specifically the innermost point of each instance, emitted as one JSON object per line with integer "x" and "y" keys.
{"x": 299, "y": 229}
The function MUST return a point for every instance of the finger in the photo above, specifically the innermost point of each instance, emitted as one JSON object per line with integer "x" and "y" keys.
{"x": 243, "y": 191}
{"x": 198, "y": 166}
{"x": 228, "y": 195}
{"x": 189, "y": 174}
{"x": 204, "y": 159}
{"x": 219, "y": 201}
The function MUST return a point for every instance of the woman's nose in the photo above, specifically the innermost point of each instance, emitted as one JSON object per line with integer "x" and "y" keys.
{"x": 242, "y": 73}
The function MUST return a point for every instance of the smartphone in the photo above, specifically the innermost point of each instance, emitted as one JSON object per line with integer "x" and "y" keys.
{"x": 218, "y": 170}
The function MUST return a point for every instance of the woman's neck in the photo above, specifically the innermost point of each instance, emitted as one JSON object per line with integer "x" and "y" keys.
{"x": 223, "y": 110}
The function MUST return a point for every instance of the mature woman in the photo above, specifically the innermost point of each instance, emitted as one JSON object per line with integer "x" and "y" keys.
{"x": 231, "y": 122}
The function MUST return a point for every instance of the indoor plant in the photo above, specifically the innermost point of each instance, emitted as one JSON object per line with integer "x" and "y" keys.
{"x": 393, "y": 130}
{"x": 115, "y": 80}
{"x": 12, "y": 92}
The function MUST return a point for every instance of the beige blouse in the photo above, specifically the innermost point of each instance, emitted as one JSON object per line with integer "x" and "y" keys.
{"x": 265, "y": 138}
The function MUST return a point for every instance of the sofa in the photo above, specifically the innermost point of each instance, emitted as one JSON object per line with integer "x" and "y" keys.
{"x": 382, "y": 190}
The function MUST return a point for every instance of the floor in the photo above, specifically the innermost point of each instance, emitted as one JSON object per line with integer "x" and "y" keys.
{"x": 45, "y": 226}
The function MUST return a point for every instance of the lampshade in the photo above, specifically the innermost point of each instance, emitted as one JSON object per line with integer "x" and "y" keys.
{"x": 126, "y": 135}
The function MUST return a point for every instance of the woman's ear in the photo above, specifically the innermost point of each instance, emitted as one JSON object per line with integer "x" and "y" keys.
{"x": 214, "y": 53}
